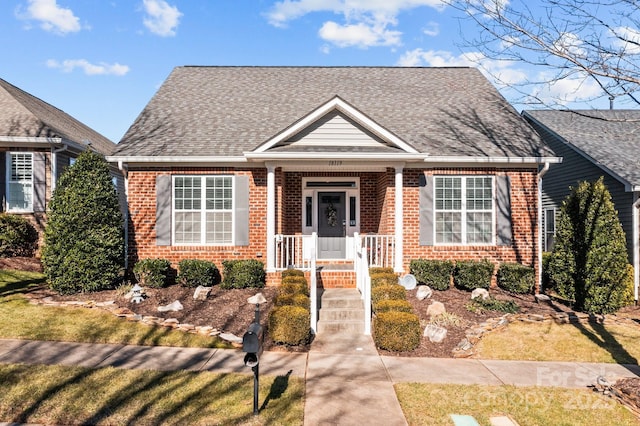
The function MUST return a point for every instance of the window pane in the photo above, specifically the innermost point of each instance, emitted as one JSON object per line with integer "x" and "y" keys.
{"x": 219, "y": 228}
{"x": 479, "y": 228}
{"x": 219, "y": 193}
{"x": 187, "y": 193}
{"x": 187, "y": 228}
{"x": 479, "y": 194}
{"x": 448, "y": 227}
{"x": 448, "y": 193}
{"x": 20, "y": 195}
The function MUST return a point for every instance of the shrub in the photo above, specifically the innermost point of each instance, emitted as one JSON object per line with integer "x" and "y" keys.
{"x": 383, "y": 279}
{"x": 386, "y": 292}
{"x": 295, "y": 280}
{"x": 472, "y": 274}
{"x": 482, "y": 305}
{"x": 84, "y": 237}
{"x": 380, "y": 270}
{"x": 18, "y": 237}
{"x": 196, "y": 272}
{"x": 397, "y": 331}
{"x": 292, "y": 273}
{"x": 393, "y": 305}
{"x": 589, "y": 259}
{"x": 546, "y": 280}
{"x": 289, "y": 325}
{"x": 435, "y": 273}
{"x": 629, "y": 297}
{"x": 293, "y": 299}
{"x": 516, "y": 278}
{"x": 152, "y": 272}
{"x": 243, "y": 273}
{"x": 294, "y": 288}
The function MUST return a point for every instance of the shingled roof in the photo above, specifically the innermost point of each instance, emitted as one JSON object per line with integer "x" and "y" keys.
{"x": 228, "y": 111}
{"x": 610, "y": 138}
{"x": 24, "y": 115}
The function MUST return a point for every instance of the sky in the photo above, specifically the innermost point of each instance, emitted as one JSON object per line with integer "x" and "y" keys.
{"x": 101, "y": 61}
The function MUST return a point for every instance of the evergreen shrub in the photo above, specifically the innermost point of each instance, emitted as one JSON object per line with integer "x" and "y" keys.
{"x": 516, "y": 278}
{"x": 18, "y": 237}
{"x": 393, "y": 305}
{"x": 196, "y": 272}
{"x": 434, "y": 273}
{"x": 380, "y": 270}
{"x": 152, "y": 273}
{"x": 472, "y": 274}
{"x": 383, "y": 278}
{"x": 292, "y": 273}
{"x": 293, "y": 299}
{"x": 289, "y": 325}
{"x": 294, "y": 288}
{"x": 243, "y": 273}
{"x": 84, "y": 238}
{"x": 386, "y": 292}
{"x": 397, "y": 331}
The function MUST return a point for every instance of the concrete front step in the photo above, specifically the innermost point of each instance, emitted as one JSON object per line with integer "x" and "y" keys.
{"x": 341, "y": 311}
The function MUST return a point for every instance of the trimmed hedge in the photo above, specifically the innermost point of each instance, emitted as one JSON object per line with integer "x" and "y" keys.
{"x": 380, "y": 270}
{"x": 397, "y": 331}
{"x": 196, "y": 272}
{"x": 243, "y": 273}
{"x": 293, "y": 299}
{"x": 18, "y": 237}
{"x": 383, "y": 278}
{"x": 472, "y": 274}
{"x": 152, "y": 272}
{"x": 386, "y": 292}
{"x": 294, "y": 288}
{"x": 292, "y": 273}
{"x": 393, "y": 305}
{"x": 289, "y": 325}
{"x": 434, "y": 273}
{"x": 516, "y": 278}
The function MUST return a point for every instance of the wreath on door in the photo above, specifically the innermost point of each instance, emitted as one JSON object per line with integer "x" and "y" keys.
{"x": 332, "y": 215}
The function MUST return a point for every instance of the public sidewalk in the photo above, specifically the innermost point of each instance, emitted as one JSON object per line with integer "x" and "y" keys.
{"x": 347, "y": 382}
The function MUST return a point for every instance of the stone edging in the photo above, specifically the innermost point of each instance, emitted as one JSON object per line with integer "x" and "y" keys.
{"x": 465, "y": 348}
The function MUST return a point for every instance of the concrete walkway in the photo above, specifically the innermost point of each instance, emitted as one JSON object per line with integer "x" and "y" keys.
{"x": 347, "y": 382}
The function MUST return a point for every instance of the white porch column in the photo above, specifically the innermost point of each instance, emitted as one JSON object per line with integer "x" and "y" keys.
{"x": 399, "y": 222}
{"x": 271, "y": 217}
{"x": 635, "y": 229}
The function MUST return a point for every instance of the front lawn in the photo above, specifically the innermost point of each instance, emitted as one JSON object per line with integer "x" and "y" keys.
{"x": 548, "y": 341}
{"x": 21, "y": 320}
{"x": 106, "y": 396}
{"x": 432, "y": 405}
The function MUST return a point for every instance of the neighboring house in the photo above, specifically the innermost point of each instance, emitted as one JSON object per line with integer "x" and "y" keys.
{"x": 593, "y": 143}
{"x": 293, "y": 165}
{"x": 37, "y": 142}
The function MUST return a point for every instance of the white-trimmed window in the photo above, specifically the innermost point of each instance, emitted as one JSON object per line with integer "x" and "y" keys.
{"x": 549, "y": 229}
{"x": 203, "y": 210}
{"x": 464, "y": 210}
{"x": 20, "y": 182}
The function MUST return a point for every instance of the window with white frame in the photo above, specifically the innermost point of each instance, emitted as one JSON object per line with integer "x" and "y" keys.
{"x": 203, "y": 210}
{"x": 549, "y": 229}
{"x": 464, "y": 210}
{"x": 20, "y": 182}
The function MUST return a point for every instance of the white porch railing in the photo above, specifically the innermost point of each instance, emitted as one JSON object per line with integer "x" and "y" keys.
{"x": 380, "y": 250}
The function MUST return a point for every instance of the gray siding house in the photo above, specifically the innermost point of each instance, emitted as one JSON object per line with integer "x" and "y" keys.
{"x": 37, "y": 142}
{"x": 593, "y": 144}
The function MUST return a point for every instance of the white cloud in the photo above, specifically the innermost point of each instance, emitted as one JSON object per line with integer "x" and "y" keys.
{"x": 366, "y": 22}
{"x": 161, "y": 18}
{"x": 630, "y": 42}
{"x": 68, "y": 65}
{"x": 432, "y": 29}
{"x": 576, "y": 88}
{"x": 360, "y": 35}
{"x": 52, "y": 16}
{"x": 570, "y": 43}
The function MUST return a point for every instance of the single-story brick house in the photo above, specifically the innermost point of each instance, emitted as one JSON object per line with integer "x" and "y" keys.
{"x": 332, "y": 164}
{"x": 593, "y": 143}
{"x": 37, "y": 142}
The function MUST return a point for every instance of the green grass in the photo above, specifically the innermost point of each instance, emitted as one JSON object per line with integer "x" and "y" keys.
{"x": 105, "y": 396}
{"x": 548, "y": 341}
{"x": 430, "y": 404}
{"x": 21, "y": 320}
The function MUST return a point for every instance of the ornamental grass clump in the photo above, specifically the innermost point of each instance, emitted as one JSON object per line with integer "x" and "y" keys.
{"x": 196, "y": 272}
{"x": 397, "y": 331}
{"x": 289, "y": 325}
{"x": 472, "y": 274}
{"x": 152, "y": 273}
{"x": 516, "y": 278}
{"x": 434, "y": 273}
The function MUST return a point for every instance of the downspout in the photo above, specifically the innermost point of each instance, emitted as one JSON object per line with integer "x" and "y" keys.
{"x": 635, "y": 229}
{"x": 125, "y": 174}
{"x": 541, "y": 173}
{"x": 271, "y": 218}
{"x": 399, "y": 220}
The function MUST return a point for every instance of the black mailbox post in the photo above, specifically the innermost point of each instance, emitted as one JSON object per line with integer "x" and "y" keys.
{"x": 252, "y": 346}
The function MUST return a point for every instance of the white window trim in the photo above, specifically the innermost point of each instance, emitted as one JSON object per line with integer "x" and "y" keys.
{"x": 313, "y": 193}
{"x": 203, "y": 212}
{"x": 463, "y": 211}
{"x": 9, "y": 160}
{"x": 546, "y": 229}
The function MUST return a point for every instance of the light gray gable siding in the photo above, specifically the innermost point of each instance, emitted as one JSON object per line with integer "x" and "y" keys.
{"x": 574, "y": 169}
